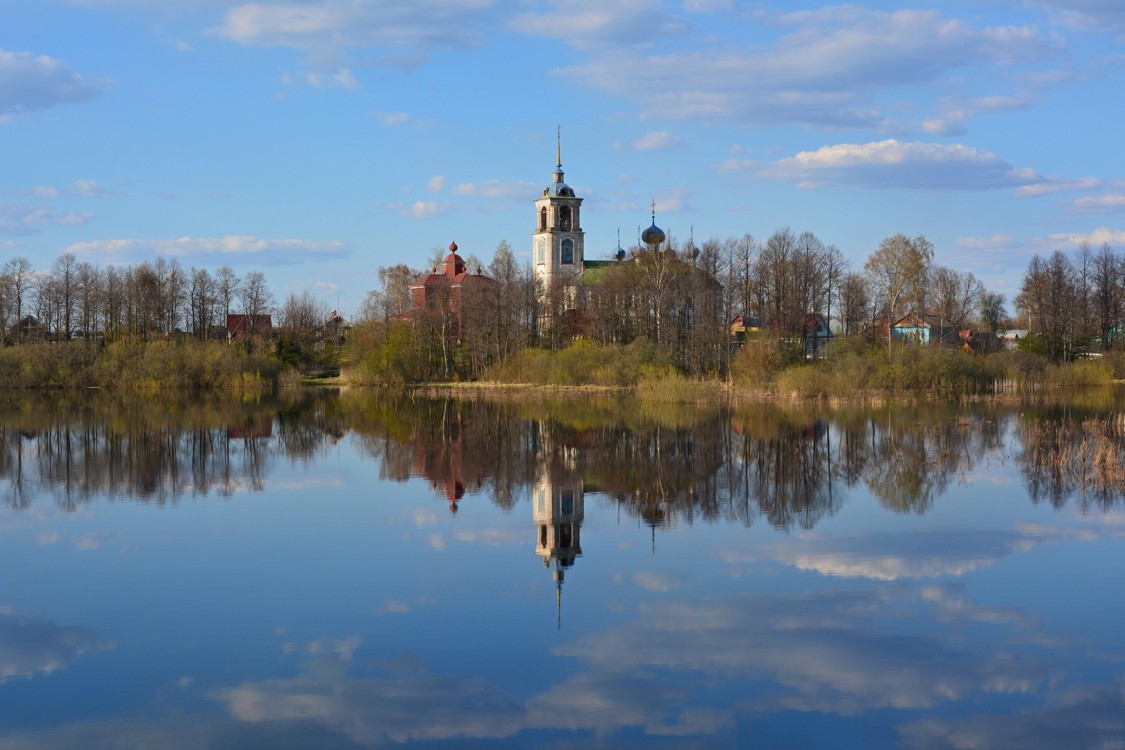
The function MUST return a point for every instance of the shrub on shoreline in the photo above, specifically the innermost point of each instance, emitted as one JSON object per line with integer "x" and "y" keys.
{"x": 179, "y": 364}
{"x": 853, "y": 368}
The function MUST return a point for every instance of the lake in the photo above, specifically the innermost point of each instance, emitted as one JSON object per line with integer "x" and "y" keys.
{"x": 350, "y": 570}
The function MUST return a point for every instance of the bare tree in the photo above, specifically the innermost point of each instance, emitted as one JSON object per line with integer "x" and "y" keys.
{"x": 396, "y": 281}
{"x": 954, "y": 297}
{"x": 1083, "y": 286}
{"x": 855, "y": 303}
{"x": 1047, "y": 300}
{"x": 66, "y": 291}
{"x": 21, "y": 284}
{"x": 1107, "y": 292}
{"x": 114, "y": 304}
{"x": 90, "y": 296}
{"x": 227, "y": 288}
{"x": 897, "y": 271}
{"x": 256, "y": 298}
{"x": 991, "y": 308}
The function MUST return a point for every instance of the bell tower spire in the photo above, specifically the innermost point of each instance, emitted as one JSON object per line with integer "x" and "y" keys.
{"x": 557, "y": 244}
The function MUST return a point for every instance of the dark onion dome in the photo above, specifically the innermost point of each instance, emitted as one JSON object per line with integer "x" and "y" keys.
{"x": 558, "y": 188}
{"x": 654, "y": 235}
{"x": 619, "y": 253}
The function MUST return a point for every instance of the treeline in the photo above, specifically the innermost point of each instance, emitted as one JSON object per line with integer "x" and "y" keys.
{"x": 680, "y": 298}
{"x": 667, "y": 309}
{"x": 77, "y": 302}
{"x": 1074, "y": 304}
{"x": 148, "y": 301}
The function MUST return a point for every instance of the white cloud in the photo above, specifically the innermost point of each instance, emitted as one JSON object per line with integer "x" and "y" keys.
{"x": 915, "y": 555}
{"x": 657, "y": 141}
{"x": 30, "y": 646}
{"x": 1049, "y": 186}
{"x": 671, "y": 204}
{"x": 708, "y": 6}
{"x": 425, "y": 210}
{"x": 340, "y": 78}
{"x": 820, "y": 652}
{"x": 955, "y": 112}
{"x": 825, "y": 69}
{"x": 584, "y": 23}
{"x": 655, "y": 582}
{"x": 491, "y": 537}
{"x": 23, "y": 219}
{"x": 89, "y": 189}
{"x": 436, "y": 184}
{"x": 44, "y": 191}
{"x": 996, "y": 241}
{"x": 1094, "y": 238}
{"x": 1085, "y": 717}
{"x": 1087, "y": 15}
{"x": 34, "y": 83}
{"x": 506, "y": 189}
{"x": 90, "y": 542}
{"x": 226, "y": 249}
{"x": 1111, "y": 203}
{"x": 390, "y": 119}
{"x": 895, "y": 164}
{"x": 395, "y": 32}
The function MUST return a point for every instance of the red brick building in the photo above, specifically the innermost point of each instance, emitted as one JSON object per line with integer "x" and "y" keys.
{"x": 447, "y": 289}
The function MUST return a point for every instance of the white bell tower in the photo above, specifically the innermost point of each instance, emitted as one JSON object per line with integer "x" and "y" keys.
{"x": 557, "y": 247}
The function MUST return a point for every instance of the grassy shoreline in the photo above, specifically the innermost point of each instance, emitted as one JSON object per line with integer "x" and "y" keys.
{"x": 762, "y": 371}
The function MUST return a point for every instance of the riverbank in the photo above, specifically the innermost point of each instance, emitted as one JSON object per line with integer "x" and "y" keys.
{"x": 154, "y": 365}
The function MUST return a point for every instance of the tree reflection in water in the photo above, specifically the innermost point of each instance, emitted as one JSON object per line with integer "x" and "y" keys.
{"x": 661, "y": 465}
{"x": 76, "y": 447}
{"x": 1076, "y": 457}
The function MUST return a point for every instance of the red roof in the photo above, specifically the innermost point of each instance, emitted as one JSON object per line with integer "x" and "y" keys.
{"x": 238, "y": 325}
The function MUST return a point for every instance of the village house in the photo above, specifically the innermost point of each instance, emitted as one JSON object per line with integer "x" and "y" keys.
{"x": 917, "y": 329}
{"x": 29, "y": 329}
{"x": 243, "y": 326}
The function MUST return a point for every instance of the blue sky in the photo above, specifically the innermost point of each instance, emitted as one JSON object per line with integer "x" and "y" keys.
{"x": 317, "y": 140}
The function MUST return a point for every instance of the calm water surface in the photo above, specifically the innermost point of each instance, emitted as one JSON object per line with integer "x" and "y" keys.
{"x": 331, "y": 570}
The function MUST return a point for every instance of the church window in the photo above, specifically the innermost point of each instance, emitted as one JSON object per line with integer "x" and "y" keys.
{"x": 540, "y": 252}
{"x": 567, "y": 251}
{"x": 564, "y": 218}
{"x": 543, "y": 219}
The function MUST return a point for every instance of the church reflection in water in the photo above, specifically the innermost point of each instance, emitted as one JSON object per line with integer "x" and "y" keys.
{"x": 559, "y": 508}
{"x": 787, "y": 467}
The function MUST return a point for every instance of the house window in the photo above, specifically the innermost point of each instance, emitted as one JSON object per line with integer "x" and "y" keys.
{"x": 567, "y": 250}
{"x": 540, "y": 251}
